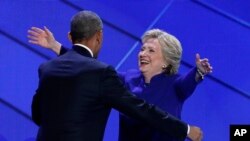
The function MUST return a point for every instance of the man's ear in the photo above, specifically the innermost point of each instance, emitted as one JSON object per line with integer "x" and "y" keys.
{"x": 69, "y": 37}
{"x": 99, "y": 36}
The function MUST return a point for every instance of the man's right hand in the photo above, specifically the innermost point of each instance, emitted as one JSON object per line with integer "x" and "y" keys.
{"x": 43, "y": 38}
{"x": 195, "y": 133}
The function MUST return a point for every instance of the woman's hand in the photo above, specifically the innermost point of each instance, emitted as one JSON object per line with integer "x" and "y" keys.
{"x": 203, "y": 67}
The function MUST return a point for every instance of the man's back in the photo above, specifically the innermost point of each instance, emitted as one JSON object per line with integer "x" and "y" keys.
{"x": 70, "y": 94}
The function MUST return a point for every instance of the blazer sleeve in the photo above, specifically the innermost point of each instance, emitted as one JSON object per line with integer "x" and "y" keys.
{"x": 63, "y": 50}
{"x": 36, "y": 117}
{"x": 186, "y": 84}
{"x": 121, "y": 75}
{"x": 116, "y": 96}
{"x": 35, "y": 109}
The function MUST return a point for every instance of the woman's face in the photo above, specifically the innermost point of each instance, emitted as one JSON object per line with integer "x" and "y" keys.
{"x": 150, "y": 57}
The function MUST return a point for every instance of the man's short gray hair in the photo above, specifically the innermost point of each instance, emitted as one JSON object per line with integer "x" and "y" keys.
{"x": 84, "y": 25}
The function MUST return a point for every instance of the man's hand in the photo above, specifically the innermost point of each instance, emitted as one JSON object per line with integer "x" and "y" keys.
{"x": 195, "y": 133}
{"x": 43, "y": 38}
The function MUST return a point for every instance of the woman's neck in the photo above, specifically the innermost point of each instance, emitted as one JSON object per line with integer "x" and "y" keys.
{"x": 149, "y": 76}
{"x": 147, "y": 79}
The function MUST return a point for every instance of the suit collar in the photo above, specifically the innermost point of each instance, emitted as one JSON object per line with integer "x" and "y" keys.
{"x": 83, "y": 50}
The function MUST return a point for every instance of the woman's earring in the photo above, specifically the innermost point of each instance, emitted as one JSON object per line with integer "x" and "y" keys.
{"x": 164, "y": 67}
{"x": 167, "y": 69}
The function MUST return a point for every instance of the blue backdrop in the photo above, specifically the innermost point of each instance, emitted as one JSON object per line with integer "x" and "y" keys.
{"x": 216, "y": 29}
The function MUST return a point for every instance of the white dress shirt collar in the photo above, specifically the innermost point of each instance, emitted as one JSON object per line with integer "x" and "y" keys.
{"x": 81, "y": 45}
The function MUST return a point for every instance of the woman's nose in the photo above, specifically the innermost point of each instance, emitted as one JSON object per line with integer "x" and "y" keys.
{"x": 143, "y": 53}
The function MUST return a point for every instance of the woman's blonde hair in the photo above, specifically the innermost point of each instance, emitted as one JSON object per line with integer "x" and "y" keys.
{"x": 171, "y": 48}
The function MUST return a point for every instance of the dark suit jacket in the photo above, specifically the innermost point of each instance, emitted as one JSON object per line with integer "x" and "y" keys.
{"x": 75, "y": 95}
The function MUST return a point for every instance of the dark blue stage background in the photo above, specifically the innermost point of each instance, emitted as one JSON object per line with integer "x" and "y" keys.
{"x": 216, "y": 29}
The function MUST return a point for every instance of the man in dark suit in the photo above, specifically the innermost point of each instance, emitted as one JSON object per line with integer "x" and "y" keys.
{"x": 76, "y": 92}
